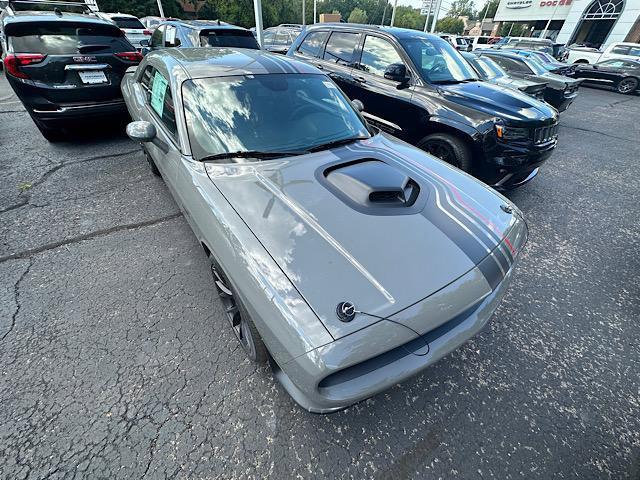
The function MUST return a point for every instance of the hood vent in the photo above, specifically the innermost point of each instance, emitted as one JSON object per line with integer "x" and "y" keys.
{"x": 372, "y": 186}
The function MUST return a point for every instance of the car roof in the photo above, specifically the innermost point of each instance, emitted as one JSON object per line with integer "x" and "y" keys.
{"x": 223, "y": 62}
{"x": 204, "y": 24}
{"x": 393, "y": 31}
{"x": 42, "y": 16}
{"x": 502, "y": 53}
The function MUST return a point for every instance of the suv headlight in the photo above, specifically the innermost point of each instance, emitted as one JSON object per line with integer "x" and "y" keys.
{"x": 511, "y": 133}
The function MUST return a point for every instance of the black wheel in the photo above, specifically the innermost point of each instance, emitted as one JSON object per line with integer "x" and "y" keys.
{"x": 238, "y": 317}
{"x": 627, "y": 85}
{"x": 152, "y": 164}
{"x": 448, "y": 148}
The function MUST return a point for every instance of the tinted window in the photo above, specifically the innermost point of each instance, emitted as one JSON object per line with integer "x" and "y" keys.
{"x": 377, "y": 55}
{"x": 483, "y": 40}
{"x": 126, "y": 22}
{"x": 312, "y": 44}
{"x": 267, "y": 113}
{"x": 228, "y": 38}
{"x": 620, "y": 50}
{"x": 510, "y": 65}
{"x": 156, "y": 38}
{"x": 635, "y": 51}
{"x": 437, "y": 60}
{"x": 57, "y": 39}
{"x": 340, "y": 47}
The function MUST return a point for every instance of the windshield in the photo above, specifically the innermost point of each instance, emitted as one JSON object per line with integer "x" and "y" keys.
{"x": 488, "y": 68}
{"x": 438, "y": 61}
{"x": 128, "y": 22}
{"x": 266, "y": 113}
{"x": 230, "y": 37}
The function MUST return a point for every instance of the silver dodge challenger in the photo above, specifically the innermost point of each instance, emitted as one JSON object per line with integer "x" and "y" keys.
{"x": 348, "y": 259}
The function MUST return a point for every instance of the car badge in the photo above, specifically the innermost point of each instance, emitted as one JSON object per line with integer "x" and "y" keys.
{"x": 346, "y": 311}
{"x": 84, "y": 59}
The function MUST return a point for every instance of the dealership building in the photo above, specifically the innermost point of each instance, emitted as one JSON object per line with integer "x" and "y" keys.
{"x": 594, "y": 23}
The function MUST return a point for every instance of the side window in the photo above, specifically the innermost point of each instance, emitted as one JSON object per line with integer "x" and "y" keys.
{"x": 634, "y": 51}
{"x": 145, "y": 80}
{"x": 156, "y": 38}
{"x": 483, "y": 40}
{"x": 340, "y": 47}
{"x": 620, "y": 50}
{"x": 282, "y": 38}
{"x": 312, "y": 44}
{"x": 171, "y": 37}
{"x": 160, "y": 99}
{"x": 510, "y": 65}
{"x": 268, "y": 37}
{"x": 377, "y": 55}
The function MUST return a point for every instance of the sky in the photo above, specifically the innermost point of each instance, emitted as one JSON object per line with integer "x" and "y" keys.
{"x": 443, "y": 8}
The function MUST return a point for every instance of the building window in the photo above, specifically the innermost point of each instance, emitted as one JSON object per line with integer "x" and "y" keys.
{"x": 603, "y": 10}
{"x": 596, "y": 23}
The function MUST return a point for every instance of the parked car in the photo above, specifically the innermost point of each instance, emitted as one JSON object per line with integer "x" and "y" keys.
{"x": 66, "y": 67}
{"x": 281, "y": 180}
{"x": 560, "y": 52}
{"x": 622, "y": 75}
{"x": 417, "y": 87}
{"x": 560, "y": 91}
{"x": 460, "y": 43}
{"x": 279, "y": 39}
{"x": 547, "y": 61}
{"x": 151, "y": 22}
{"x": 623, "y": 50}
{"x": 479, "y": 41}
{"x": 526, "y": 43}
{"x": 201, "y": 33}
{"x": 490, "y": 71}
{"x": 132, "y": 27}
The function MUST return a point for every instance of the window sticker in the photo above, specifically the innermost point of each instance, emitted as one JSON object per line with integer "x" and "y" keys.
{"x": 329, "y": 84}
{"x": 158, "y": 90}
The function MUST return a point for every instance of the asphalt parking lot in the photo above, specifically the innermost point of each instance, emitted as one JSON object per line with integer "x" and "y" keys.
{"x": 115, "y": 361}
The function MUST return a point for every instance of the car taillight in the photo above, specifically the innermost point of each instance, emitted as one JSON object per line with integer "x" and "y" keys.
{"x": 13, "y": 62}
{"x": 130, "y": 56}
{"x": 146, "y": 32}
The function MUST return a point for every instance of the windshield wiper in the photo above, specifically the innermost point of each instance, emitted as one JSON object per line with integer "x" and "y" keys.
{"x": 336, "y": 143}
{"x": 452, "y": 81}
{"x": 252, "y": 154}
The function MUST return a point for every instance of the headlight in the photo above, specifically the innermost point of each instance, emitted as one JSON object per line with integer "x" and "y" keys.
{"x": 511, "y": 133}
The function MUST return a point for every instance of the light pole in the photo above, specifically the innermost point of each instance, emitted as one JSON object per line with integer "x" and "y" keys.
{"x": 304, "y": 20}
{"x": 393, "y": 13}
{"x": 160, "y": 8}
{"x": 435, "y": 16}
{"x": 546, "y": 27}
{"x": 257, "y": 10}
{"x": 315, "y": 11}
{"x": 426, "y": 20}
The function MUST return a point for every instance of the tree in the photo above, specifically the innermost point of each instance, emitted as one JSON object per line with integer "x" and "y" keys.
{"x": 450, "y": 25}
{"x": 518, "y": 29}
{"x": 490, "y": 8}
{"x": 407, "y": 17}
{"x": 141, "y": 8}
{"x": 358, "y": 16}
{"x": 462, "y": 8}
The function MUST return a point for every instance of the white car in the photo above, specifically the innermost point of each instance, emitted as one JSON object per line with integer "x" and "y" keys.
{"x": 460, "y": 43}
{"x": 480, "y": 41}
{"x": 621, "y": 50}
{"x": 132, "y": 27}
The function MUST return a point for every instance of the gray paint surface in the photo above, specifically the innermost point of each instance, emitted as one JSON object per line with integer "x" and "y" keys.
{"x": 127, "y": 369}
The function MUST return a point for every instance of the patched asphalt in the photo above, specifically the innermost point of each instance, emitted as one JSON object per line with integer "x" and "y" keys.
{"x": 115, "y": 361}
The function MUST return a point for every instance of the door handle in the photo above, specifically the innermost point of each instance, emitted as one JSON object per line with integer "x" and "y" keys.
{"x": 319, "y": 65}
{"x": 360, "y": 79}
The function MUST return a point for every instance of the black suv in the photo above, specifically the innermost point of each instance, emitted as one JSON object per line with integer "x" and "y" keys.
{"x": 65, "y": 67}
{"x": 417, "y": 87}
{"x": 201, "y": 33}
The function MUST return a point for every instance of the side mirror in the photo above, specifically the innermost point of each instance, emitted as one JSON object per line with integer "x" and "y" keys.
{"x": 358, "y": 105}
{"x": 145, "y": 51}
{"x": 397, "y": 72}
{"x": 145, "y": 132}
{"x": 144, "y": 43}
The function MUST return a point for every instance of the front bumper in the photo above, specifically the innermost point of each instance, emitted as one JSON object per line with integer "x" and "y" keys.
{"x": 369, "y": 361}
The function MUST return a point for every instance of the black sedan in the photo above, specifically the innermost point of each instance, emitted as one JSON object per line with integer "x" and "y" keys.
{"x": 560, "y": 92}
{"x": 623, "y": 75}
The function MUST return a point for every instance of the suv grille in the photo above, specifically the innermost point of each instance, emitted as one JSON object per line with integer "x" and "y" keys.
{"x": 545, "y": 134}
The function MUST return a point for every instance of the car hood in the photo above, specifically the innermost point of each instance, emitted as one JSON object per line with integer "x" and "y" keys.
{"x": 380, "y": 261}
{"x": 515, "y": 108}
{"x": 518, "y": 83}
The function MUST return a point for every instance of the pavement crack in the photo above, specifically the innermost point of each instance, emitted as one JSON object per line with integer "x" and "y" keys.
{"x": 599, "y": 133}
{"x": 16, "y": 296}
{"x": 89, "y": 236}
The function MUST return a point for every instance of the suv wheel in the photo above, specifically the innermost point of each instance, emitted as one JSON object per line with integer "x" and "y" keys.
{"x": 243, "y": 327}
{"x": 627, "y": 85}
{"x": 448, "y": 148}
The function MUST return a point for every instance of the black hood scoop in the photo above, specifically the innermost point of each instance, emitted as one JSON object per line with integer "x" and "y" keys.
{"x": 374, "y": 187}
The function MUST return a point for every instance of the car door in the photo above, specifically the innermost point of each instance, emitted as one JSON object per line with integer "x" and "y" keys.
{"x": 608, "y": 71}
{"x": 386, "y": 104}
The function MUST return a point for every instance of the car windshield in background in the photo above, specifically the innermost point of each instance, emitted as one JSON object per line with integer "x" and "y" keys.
{"x": 534, "y": 65}
{"x": 67, "y": 39}
{"x": 488, "y": 68}
{"x": 266, "y": 113}
{"x": 228, "y": 38}
{"x": 127, "y": 22}
{"x": 438, "y": 61}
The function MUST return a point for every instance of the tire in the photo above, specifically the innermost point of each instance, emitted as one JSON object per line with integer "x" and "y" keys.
{"x": 53, "y": 135}
{"x": 448, "y": 148}
{"x": 152, "y": 164}
{"x": 238, "y": 317}
{"x": 627, "y": 85}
